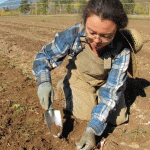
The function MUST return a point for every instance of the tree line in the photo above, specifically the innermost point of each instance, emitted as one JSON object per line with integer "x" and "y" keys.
{"x": 44, "y": 7}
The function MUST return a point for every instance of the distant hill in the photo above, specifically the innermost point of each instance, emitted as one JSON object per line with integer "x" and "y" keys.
{"x": 13, "y": 3}
{"x": 10, "y": 4}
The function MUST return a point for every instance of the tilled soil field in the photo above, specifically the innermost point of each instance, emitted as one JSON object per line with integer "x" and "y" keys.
{"x": 22, "y": 122}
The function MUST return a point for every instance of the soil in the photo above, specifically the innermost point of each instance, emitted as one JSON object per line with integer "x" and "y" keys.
{"x": 55, "y": 130}
{"x": 22, "y": 122}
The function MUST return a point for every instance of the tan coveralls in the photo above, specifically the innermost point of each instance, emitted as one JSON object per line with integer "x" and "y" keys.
{"x": 86, "y": 74}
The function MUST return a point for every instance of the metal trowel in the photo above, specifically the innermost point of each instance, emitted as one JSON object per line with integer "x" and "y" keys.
{"x": 53, "y": 118}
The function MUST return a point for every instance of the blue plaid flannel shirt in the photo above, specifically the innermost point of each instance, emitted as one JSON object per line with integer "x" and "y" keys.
{"x": 68, "y": 43}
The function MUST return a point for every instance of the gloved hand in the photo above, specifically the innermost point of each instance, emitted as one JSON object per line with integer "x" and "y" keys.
{"x": 87, "y": 139}
{"x": 45, "y": 94}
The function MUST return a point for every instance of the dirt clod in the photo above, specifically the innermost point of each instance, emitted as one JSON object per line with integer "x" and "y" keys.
{"x": 55, "y": 129}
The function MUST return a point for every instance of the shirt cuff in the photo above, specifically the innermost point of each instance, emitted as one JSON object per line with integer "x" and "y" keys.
{"x": 97, "y": 126}
{"x": 43, "y": 76}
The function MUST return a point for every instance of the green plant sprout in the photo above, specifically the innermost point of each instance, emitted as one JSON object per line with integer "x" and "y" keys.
{"x": 26, "y": 134}
{"x": 9, "y": 82}
{"x": 12, "y": 64}
{"x": 1, "y": 89}
{"x": 19, "y": 108}
{"x": 25, "y": 72}
{"x": 139, "y": 131}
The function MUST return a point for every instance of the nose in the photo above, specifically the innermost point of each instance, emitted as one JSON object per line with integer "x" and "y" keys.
{"x": 97, "y": 39}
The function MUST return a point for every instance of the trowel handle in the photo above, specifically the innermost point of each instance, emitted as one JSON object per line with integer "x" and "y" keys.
{"x": 50, "y": 108}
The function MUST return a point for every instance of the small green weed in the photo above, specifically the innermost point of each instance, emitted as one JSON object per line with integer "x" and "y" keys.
{"x": 20, "y": 99}
{"x": 25, "y": 72}
{"x": 52, "y": 77}
{"x": 18, "y": 108}
{"x": 34, "y": 132}
{"x": 1, "y": 89}
{"x": 17, "y": 56}
{"x": 26, "y": 134}
{"x": 139, "y": 131}
{"x": 43, "y": 20}
{"x": 12, "y": 64}
{"x": 3, "y": 61}
{"x": 9, "y": 82}
{"x": 30, "y": 77}
{"x": 31, "y": 108}
{"x": 126, "y": 133}
{"x": 4, "y": 52}
{"x": 23, "y": 133}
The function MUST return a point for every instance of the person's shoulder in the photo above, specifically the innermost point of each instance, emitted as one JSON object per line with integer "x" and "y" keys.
{"x": 77, "y": 28}
{"x": 77, "y": 25}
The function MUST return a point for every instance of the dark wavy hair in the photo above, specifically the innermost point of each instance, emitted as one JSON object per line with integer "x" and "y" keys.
{"x": 106, "y": 9}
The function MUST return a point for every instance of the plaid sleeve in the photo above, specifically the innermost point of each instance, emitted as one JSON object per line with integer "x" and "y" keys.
{"x": 53, "y": 54}
{"x": 110, "y": 92}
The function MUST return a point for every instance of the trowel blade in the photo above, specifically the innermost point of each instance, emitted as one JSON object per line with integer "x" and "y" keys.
{"x": 53, "y": 116}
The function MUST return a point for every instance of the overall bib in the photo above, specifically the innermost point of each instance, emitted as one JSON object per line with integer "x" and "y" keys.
{"x": 86, "y": 74}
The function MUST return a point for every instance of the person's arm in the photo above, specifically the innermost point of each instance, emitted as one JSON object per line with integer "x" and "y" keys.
{"x": 53, "y": 54}
{"x": 110, "y": 93}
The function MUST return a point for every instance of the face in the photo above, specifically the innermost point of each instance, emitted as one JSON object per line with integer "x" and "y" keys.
{"x": 99, "y": 32}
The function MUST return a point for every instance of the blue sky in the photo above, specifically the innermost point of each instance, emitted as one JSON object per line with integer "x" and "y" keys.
{"x": 2, "y": 1}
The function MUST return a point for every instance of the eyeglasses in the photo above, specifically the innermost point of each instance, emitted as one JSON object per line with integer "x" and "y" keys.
{"x": 104, "y": 38}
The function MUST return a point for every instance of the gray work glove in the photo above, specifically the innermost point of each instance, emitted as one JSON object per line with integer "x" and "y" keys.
{"x": 87, "y": 140}
{"x": 45, "y": 94}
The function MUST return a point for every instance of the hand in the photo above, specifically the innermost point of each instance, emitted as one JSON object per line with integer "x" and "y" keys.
{"x": 45, "y": 94}
{"x": 87, "y": 140}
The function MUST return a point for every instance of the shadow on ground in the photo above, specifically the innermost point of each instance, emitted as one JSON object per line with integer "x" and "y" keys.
{"x": 134, "y": 88}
